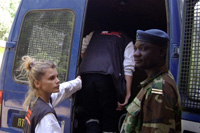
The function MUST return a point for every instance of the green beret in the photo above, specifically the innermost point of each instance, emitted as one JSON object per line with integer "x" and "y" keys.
{"x": 154, "y": 36}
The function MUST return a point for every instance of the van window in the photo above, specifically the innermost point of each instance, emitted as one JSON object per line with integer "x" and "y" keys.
{"x": 194, "y": 77}
{"x": 46, "y": 34}
{"x": 190, "y": 63}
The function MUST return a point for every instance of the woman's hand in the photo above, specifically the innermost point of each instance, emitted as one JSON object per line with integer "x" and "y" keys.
{"x": 79, "y": 77}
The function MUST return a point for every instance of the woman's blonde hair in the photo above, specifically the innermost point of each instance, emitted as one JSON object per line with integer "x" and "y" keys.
{"x": 33, "y": 70}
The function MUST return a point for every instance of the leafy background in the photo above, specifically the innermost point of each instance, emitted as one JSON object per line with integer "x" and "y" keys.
{"x": 8, "y": 10}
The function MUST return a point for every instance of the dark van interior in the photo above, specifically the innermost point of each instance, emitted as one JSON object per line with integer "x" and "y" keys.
{"x": 125, "y": 15}
{"x": 121, "y": 15}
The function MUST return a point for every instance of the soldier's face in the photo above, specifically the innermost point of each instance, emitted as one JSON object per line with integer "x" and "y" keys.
{"x": 146, "y": 55}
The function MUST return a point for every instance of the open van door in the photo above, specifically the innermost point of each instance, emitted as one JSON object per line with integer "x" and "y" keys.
{"x": 127, "y": 16}
{"x": 189, "y": 70}
{"x": 180, "y": 19}
{"x": 47, "y": 29}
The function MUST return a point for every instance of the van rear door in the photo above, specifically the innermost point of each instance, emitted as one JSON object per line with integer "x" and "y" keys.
{"x": 47, "y": 29}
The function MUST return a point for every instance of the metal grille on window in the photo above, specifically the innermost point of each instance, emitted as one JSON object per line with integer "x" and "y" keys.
{"x": 46, "y": 34}
{"x": 189, "y": 79}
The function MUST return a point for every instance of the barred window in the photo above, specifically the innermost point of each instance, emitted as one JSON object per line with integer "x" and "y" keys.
{"x": 46, "y": 35}
{"x": 189, "y": 79}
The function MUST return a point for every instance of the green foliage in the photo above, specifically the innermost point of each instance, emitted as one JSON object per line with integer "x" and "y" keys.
{"x": 8, "y": 10}
{"x": 1, "y": 50}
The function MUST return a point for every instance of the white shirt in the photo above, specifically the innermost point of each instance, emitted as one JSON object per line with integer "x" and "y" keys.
{"x": 128, "y": 63}
{"x": 49, "y": 123}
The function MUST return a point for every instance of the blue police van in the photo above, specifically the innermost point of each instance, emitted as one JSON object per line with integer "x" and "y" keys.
{"x": 53, "y": 30}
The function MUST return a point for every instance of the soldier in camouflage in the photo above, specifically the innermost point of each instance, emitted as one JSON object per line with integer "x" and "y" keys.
{"x": 157, "y": 107}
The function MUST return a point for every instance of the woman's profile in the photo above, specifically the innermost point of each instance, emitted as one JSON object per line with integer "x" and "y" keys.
{"x": 44, "y": 94}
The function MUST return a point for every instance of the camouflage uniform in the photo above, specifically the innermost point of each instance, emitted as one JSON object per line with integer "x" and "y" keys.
{"x": 156, "y": 108}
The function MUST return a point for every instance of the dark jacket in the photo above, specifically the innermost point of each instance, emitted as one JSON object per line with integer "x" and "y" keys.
{"x": 35, "y": 114}
{"x": 105, "y": 55}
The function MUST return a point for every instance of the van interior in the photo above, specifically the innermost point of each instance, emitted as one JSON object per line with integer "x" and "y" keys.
{"x": 122, "y": 15}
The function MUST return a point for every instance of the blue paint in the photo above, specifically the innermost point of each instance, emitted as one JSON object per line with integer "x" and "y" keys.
{"x": 175, "y": 31}
{"x": 190, "y": 116}
{"x": 13, "y": 92}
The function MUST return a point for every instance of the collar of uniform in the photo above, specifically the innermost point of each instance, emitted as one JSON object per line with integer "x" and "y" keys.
{"x": 161, "y": 71}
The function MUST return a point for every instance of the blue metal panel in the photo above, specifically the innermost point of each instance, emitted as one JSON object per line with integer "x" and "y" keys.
{"x": 13, "y": 93}
{"x": 78, "y": 6}
{"x": 190, "y": 116}
{"x": 175, "y": 32}
{"x": 175, "y": 39}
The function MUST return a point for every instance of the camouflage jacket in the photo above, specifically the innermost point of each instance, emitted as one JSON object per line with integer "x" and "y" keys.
{"x": 156, "y": 108}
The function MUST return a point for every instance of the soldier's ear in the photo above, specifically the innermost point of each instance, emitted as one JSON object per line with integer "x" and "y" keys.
{"x": 163, "y": 51}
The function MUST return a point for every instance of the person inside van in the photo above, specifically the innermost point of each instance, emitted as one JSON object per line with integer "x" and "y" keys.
{"x": 44, "y": 94}
{"x": 106, "y": 70}
{"x": 157, "y": 107}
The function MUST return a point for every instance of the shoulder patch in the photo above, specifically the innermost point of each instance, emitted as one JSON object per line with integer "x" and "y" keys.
{"x": 156, "y": 91}
{"x": 157, "y": 86}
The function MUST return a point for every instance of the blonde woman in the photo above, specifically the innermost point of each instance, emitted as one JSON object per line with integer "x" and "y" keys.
{"x": 44, "y": 94}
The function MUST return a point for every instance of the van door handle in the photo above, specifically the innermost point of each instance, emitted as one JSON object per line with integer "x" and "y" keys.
{"x": 10, "y": 45}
